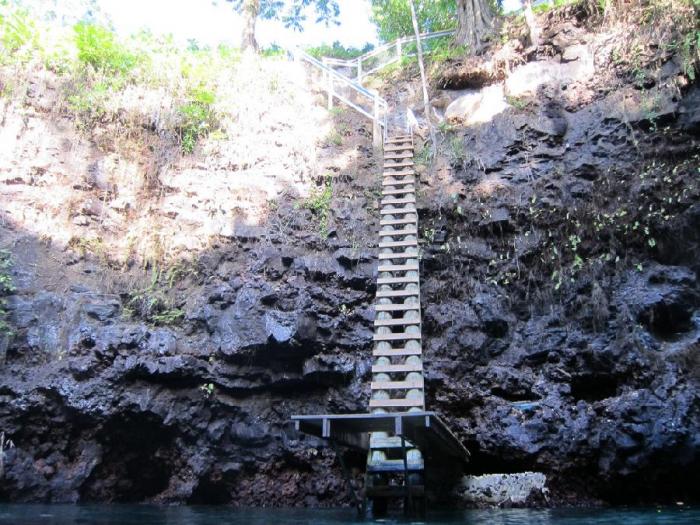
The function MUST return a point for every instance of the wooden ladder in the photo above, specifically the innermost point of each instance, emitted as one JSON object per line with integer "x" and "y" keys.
{"x": 395, "y": 467}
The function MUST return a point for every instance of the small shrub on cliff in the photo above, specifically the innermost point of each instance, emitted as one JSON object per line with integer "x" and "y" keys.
{"x": 17, "y": 33}
{"x": 99, "y": 48}
{"x": 319, "y": 203}
{"x": 198, "y": 118}
{"x": 6, "y": 288}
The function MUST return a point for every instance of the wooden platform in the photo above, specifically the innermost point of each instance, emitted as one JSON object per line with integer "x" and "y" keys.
{"x": 424, "y": 429}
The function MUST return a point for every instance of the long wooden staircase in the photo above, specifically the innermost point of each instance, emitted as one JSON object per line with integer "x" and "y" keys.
{"x": 395, "y": 467}
{"x": 401, "y": 438}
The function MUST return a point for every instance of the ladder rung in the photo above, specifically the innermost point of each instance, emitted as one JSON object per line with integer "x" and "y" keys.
{"x": 395, "y": 165}
{"x": 401, "y": 336}
{"x": 398, "y": 244}
{"x": 402, "y": 173}
{"x": 406, "y": 191}
{"x": 397, "y": 293}
{"x": 394, "y": 222}
{"x": 397, "y": 322}
{"x": 397, "y": 280}
{"x": 398, "y": 148}
{"x": 408, "y": 180}
{"x": 396, "y": 307}
{"x": 387, "y": 442}
{"x": 397, "y": 156}
{"x": 399, "y": 233}
{"x": 379, "y": 403}
{"x": 397, "y": 385}
{"x": 397, "y": 352}
{"x": 392, "y": 256}
{"x": 407, "y": 200}
{"x": 404, "y": 211}
{"x": 398, "y": 268}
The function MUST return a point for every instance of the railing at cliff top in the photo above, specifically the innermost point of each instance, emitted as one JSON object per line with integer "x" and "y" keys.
{"x": 382, "y": 56}
{"x": 345, "y": 89}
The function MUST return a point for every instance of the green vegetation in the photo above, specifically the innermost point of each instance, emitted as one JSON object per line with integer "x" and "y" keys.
{"x": 98, "y": 47}
{"x": 99, "y": 73}
{"x": 6, "y": 288}
{"x": 554, "y": 4}
{"x": 152, "y": 302}
{"x": 319, "y": 202}
{"x": 393, "y": 17}
{"x": 337, "y": 50}
{"x": 198, "y": 118}
{"x": 519, "y": 103}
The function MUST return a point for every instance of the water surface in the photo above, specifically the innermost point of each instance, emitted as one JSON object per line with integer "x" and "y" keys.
{"x": 154, "y": 515}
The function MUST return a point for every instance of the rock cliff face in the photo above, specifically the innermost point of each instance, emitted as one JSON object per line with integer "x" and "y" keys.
{"x": 561, "y": 314}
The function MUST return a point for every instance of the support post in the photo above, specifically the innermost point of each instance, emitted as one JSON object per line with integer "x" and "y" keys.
{"x": 329, "y": 85}
{"x": 398, "y": 49}
{"x": 377, "y": 138}
{"x": 359, "y": 70}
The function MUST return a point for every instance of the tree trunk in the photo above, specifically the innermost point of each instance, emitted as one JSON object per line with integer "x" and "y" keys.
{"x": 475, "y": 19}
{"x": 421, "y": 65}
{"x": 251, "y": 9}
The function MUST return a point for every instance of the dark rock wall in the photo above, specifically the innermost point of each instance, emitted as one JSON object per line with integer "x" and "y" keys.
{"x": 559, "y": 337}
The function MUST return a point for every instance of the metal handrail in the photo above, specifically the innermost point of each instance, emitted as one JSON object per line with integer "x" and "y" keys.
{"x": 379, "y": 115}
{"x": 357, "y": 63}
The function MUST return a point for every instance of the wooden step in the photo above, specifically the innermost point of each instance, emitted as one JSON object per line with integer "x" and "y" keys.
{"x": 397, "y": 352}
{"x": 399, "y": 244}
{"x": 398, "y": 268}
{"x": 401, "y": 173}
{"x": 397, "y": 322}
{"x": 397, "y": 385}
{"x": 400, "y": 147}
{"x": 397, "y": 293}
{"x": 398, "y": 142}
{"x": 396, "y": 222}
{"x": 406, "y": 191}
{"x": 396, "y": 369}
{"x": 391, "y": 200}
{"x": 396, "y": 307}
{"x": 395, "y": 465}
{"x": 397, "y": 156}
{"x": 400, "y": 336}
{"x": 398, "y": 280}
{"x": 397, "y": 165}
{"x": 386, "y": 403}
{"x": 401, "y": 182}
{"x": 399, "y": 233}
{"x": 387, "y": 442}
{"x": 392, "y": 256}
{"x": 400, "y": 211}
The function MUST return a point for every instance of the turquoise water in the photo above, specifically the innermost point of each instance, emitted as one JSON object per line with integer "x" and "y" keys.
{"x": 151, "y": 515}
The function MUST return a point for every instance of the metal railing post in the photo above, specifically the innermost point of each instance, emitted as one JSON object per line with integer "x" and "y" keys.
{"x": 329, "y": 84}
{"x": 359, "y": 70}
{"x": 377, "y": 138}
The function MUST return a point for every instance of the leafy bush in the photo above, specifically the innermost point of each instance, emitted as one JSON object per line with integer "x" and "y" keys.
{"x": 319, "y": 202}
{"x": 393, "y": 17}
{"x": 98, "y": 47}
{"x": 17, "y": 31}
{"x": 6, "y": 288}
{"x": 337, "y": 50}
{"x": 89, "y": 102}
{"x": 198, "y": 118}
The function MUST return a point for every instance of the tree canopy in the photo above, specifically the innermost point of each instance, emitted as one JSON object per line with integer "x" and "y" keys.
{"x": 293, "y": 13}
{"x": 393, "y": 17}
